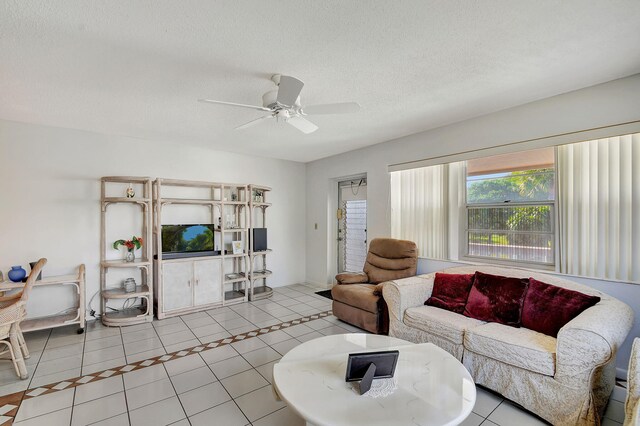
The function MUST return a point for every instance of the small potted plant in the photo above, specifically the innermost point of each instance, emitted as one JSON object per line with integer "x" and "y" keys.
{"x": 133, "y": 244}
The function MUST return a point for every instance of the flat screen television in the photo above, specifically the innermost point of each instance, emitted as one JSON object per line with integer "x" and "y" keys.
{"x": 185, "y": 239}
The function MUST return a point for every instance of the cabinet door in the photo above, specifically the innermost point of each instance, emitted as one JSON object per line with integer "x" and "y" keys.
{"x": 208, "y": 281}
{"x": 177, "y": 285}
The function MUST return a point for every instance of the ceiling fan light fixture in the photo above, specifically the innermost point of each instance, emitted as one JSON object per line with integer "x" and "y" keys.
{"x": 284, "y": 102}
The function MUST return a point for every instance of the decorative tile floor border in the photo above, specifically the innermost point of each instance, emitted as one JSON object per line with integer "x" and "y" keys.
{"x": 9, "y": 404}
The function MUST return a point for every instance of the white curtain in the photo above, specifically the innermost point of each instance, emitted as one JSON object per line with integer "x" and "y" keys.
{"x": 419, "y": 209}
{"x": 599, "y": 208}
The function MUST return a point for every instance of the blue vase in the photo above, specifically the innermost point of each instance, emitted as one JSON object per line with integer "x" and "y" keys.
{"x": 17, "y": 273}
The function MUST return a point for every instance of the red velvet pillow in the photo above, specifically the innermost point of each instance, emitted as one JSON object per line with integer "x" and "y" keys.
{"x": 496, "y": 299}
{"x": 548, "y": 308}
{"x": 450, "y": 291}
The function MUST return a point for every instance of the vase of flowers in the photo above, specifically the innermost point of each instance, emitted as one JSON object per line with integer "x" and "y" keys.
{"x": 131, "y": 245}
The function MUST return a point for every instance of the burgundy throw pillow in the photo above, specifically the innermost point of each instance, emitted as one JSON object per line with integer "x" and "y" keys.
{"x": 450, "y": 292}
{"x": 548, "y": 308}
{"x": 494, "y": 298}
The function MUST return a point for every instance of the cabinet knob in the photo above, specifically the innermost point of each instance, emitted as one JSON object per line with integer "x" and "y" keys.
{"x": 189, "y": 283}
{"x": 198, "y": 282}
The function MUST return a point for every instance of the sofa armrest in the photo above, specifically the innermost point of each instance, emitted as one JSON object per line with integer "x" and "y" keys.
{"x": 406, "y": 293}
{"x": 632, "y": 405}
{"x": 351, "y": 278}
{"x": 591, "y": 339}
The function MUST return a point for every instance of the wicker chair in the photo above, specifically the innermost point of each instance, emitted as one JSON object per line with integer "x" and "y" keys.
{"x": 10, "y": 318}
{"x": 12, "y": 312}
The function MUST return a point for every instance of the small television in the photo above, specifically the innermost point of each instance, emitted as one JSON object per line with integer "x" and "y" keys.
{"x": 187, "y": 239}
{"x": 259, "y": 239}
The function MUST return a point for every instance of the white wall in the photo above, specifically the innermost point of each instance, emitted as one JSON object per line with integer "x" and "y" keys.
{"x": 603, "y": 105}
{"x": 50, "y": 192}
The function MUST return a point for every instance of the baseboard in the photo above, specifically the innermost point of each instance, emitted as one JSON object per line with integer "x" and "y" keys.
{"x": 319, "y": 284}
{"x": 622, "y": 373}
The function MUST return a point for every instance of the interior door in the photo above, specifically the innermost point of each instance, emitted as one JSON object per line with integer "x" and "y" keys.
{"x": 177, "y": 282}
{"x": 352, "y": 225}
{"x": 208, "y": 281}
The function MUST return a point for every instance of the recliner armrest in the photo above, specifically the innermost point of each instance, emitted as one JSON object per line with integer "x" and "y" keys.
{"x": 351, "y": 278}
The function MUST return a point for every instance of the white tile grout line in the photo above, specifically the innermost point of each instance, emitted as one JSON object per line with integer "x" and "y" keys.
{"x": 174, "y": 390}
{"x": 220, "y": 381}
{"x": 126, "y": 402}
{"x": 39, "y": 358}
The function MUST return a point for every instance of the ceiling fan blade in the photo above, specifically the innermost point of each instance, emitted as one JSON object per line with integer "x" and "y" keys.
{"x": 302, "y": 124}
{"x": 253, "y": 122}
{"x": 211, "y": 101}
{"x": 339, "y": 108}
{"x": 289, "y": 90}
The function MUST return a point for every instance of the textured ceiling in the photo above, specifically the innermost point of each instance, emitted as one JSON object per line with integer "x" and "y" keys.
{"x": 136, "y": 68}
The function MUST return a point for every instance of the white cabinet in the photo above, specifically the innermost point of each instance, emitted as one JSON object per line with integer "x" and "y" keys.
{"x": 190, "y": 283}
{"x": 208, "y": 277}
{"x": 176, "y": 291}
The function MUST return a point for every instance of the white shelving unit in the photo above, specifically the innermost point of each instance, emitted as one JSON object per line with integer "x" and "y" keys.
{"x": 190, "y": 284}
{"x": 144, "y": 312}
{"x": 235, "y": 276}
{"x": 258, "y": 271}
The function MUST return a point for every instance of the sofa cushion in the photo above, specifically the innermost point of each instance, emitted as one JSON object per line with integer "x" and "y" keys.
{"x": 519, "y": 347}
{"x": 362, "y": 296}
{"x": 548, "y": 308}
{"x": 446, "y": 324}
{"x": 495, "y": 298}
{"x": 450, "y": 291}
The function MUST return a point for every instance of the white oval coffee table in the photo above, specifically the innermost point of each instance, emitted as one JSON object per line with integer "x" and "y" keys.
{"x": 433, "y": 388}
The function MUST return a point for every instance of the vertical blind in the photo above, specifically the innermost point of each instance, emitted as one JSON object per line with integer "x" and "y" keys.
{"x": 355, "y": 247}
{"x": 599, "y": 208}
{"x": 419, "y": 209}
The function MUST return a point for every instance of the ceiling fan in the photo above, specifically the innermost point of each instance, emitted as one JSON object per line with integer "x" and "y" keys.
{"x": 284, "y": 103}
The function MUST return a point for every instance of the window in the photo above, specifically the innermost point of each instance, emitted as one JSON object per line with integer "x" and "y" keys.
{"x": 575, "y": 207}
{"x": 510, "y": 207}
{"x": 355, "y": 235}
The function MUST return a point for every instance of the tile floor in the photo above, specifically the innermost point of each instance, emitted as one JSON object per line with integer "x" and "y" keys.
{"x": 230, "y": 383}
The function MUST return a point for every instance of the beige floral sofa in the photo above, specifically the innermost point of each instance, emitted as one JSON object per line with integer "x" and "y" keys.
{"x": 632, "y": 406}
{"x": 565, "y": 380}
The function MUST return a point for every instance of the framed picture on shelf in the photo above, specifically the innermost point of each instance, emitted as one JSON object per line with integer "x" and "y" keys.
{"x": 238, "y": 247}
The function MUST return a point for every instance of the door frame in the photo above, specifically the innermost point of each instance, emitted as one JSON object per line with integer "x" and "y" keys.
{"x": 333, "y": 229}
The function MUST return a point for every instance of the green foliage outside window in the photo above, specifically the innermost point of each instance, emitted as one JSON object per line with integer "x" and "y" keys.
{"x": 536, "y": 185}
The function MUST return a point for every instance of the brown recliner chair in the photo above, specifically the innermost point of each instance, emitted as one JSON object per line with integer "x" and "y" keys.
{"x": 357, "y": 298}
